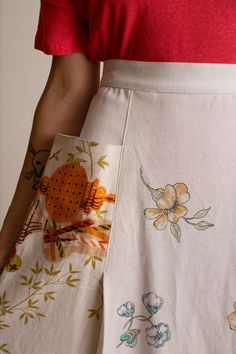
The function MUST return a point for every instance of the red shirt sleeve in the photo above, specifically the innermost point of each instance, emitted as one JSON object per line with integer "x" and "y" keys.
{"x": 61, "y": 28}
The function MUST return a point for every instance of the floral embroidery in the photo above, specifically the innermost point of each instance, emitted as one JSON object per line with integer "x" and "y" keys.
{"x": 232, "y": 319}
{"x": 71, "y": 213}
{"x": 85, "y": 149}
{"x": 130, "y": 337}
{"x": 3, "y": 348}
{"x": 38, "y": 289}
{"x": 55, "y": 155}
{"x": 170, "y": 208}
{"x": 126, "y": 309}
{"x": 156, "y": 334}
{"x": 96, "y": 312}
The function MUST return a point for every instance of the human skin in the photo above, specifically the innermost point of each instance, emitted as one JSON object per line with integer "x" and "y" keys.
{"x": 72, "y": 82}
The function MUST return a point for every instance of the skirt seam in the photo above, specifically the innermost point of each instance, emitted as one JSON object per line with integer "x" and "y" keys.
{"x": 119, "y": 173}
{"x": 102, "y": 329}
{"x": 104, "y": 84}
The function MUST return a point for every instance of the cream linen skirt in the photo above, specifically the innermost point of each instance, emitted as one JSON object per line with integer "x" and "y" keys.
{"x": 130, "y": 243}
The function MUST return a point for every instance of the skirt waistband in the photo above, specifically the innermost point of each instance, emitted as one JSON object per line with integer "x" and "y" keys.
{"x": 170, "y": 76}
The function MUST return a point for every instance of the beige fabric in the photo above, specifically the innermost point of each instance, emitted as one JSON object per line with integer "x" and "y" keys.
{"x": 153, "y": 239}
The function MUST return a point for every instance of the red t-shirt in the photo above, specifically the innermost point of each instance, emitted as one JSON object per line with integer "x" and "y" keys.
{"x": 148, "y": 30}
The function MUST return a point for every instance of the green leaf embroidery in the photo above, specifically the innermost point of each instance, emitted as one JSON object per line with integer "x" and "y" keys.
{"x": 71, "y": 157}
{"x": 33, "y": 289}
{"x": 37, "y": 269}
{"x": 87, "y": 260}
{"x": 79, "y": 148}
{"x": 176, "y": 231}
{"x": 40, "y": 314}
{"x": 93, "y": 260}
{"x": 3, "y": 325}
{"x": 93, "y": 263}
{"x": 201, "y": 213}
{"x": 48, "y": 295}
{"x": 32, "y": 303}
{"x": 202, "y": 225}
{"x": 3, "y": 348}
{"x": 93, "y": 143}
{"x": 71, "y": 270}
{"x": 101, "y": 162}
{"x": 100, "y": 213}
{"x": 97, "y": 258}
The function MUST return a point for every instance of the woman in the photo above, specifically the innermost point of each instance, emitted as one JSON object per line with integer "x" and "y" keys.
{"x": 128, "y": 241}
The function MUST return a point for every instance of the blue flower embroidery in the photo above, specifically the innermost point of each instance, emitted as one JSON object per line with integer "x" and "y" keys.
{"x": 126, "y": 309}
{"x": 156, "y": 334}
{"x": 152, "y": 302}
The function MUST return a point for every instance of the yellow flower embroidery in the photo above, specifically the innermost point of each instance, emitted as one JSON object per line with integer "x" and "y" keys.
{"x": 170, "y": 208}
{"x": 232, "y": 319}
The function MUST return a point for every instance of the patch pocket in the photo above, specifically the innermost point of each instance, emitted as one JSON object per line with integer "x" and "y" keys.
{"x": 76, "y": 194}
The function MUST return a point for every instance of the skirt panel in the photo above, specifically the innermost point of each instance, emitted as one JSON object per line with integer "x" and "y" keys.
{"x": 173, "y": 227}
{"x": 51, "y": 289}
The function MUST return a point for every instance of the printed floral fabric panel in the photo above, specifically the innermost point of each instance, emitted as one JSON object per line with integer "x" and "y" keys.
{"x": 65, "y": 237}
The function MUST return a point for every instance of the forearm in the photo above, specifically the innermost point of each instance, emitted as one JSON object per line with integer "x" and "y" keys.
{"x": 58, "y": 111}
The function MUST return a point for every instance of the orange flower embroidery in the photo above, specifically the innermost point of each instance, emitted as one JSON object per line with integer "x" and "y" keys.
{"x": 232, "y": 319}
{"x": 170, "y": 208}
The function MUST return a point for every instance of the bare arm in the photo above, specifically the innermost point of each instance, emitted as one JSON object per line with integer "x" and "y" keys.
{"x": 72, "y": 82}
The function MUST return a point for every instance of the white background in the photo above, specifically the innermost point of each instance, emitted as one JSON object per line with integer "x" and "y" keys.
{"x": 23, "y": 71}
